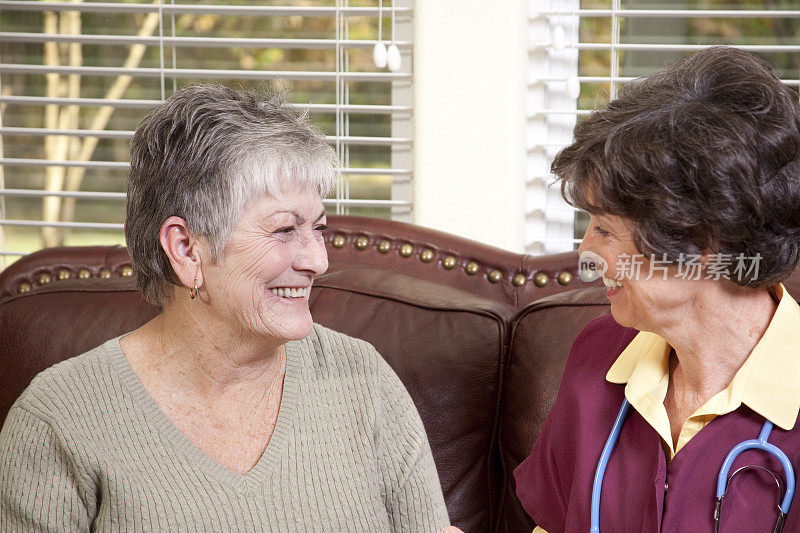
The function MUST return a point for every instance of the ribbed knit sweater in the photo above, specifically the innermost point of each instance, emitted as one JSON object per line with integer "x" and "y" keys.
{"x": 87, "y": 448}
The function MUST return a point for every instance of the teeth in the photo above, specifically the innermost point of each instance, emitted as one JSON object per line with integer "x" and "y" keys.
{"x": 289, "y": 292}
{"x": 612, "y": 284}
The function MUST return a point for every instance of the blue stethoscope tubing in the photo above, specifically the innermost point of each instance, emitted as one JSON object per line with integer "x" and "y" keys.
{"x": 722, "y": 479}
{"x": 758, "y": 444}
{"x": 597, "y": 485}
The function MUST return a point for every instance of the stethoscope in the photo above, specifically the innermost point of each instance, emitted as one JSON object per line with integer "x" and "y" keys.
{"x": 722, "y": 479}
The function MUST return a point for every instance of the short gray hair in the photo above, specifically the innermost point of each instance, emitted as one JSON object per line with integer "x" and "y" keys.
{"x": 202, "y": 155}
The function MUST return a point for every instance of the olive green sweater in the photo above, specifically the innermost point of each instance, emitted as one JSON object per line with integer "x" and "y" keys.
{"x": 87, "y": 448}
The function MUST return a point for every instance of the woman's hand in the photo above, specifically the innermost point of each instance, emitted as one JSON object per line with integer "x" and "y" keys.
{"x": 451, "y": 529}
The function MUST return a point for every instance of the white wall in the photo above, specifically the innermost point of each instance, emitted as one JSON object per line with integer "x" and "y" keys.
{"x": 470, "y": 60}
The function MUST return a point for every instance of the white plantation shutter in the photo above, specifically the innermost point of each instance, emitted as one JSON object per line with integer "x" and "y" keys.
{"x": 602, "y": 44}
{"x": 76, "y": 77}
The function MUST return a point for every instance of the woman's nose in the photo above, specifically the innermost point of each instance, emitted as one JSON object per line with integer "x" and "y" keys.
{"x": 312, "y": 256}
{"x": 585, "y": 242}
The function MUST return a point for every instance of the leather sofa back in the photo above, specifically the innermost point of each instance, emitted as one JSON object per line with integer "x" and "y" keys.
{"x": 541, "y": 336}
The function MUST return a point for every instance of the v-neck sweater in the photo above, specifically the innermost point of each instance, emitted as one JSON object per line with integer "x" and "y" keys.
{"x": 86, "y": 447}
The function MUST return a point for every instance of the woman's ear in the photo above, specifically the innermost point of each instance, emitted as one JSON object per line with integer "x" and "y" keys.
{"x": 183, "y": 250}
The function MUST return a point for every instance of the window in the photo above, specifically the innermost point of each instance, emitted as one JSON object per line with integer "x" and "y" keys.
{"x": 582, "y": 51}
{"x": 75, "y": 79}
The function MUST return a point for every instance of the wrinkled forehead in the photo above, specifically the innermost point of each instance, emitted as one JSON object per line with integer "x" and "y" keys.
{"x": 298, "y": 206}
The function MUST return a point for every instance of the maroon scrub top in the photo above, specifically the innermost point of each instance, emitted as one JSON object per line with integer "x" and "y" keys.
{"x": 642, "y": 492}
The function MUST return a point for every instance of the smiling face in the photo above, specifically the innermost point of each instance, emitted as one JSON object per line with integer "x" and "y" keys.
{"x": 645, "y": 300}
{"x": 261, "y": 285}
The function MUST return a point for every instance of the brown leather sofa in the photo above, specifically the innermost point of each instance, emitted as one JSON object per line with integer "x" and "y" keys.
{"x": 478, "y": 335}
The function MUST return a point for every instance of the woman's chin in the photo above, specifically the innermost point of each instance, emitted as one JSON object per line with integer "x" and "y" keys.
{"x": 622, "y": 317}
{"x": 286, "y": 321}
{"x": 301, "y": 332}
{"x": 294, "y": 330}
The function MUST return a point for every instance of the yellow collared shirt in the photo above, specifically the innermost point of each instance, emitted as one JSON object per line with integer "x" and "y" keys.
{"x": 766, "y": 382}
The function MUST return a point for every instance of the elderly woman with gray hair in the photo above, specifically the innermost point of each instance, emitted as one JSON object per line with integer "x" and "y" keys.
{"x": 230, "y": 410}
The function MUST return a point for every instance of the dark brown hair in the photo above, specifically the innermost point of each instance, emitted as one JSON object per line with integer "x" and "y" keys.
{"x": 701, "y": 157}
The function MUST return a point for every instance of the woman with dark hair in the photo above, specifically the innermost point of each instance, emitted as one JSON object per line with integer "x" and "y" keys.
{"x": 230, "y": 410}
{"x": 692, "y": 181}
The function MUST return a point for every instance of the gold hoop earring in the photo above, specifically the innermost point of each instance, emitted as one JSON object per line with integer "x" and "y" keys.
{"x": 193, "y": 291}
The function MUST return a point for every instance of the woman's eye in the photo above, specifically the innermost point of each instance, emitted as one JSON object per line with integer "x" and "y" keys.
{"x": 601, "y": 231}
{"x": 285, "y": 230}
{"x": 321, "y": 228}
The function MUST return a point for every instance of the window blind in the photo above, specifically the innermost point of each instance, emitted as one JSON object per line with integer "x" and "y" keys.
{"x": 582, "y": 51}
{"x": 76, "y": 77}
